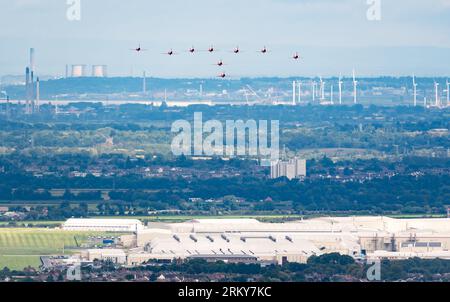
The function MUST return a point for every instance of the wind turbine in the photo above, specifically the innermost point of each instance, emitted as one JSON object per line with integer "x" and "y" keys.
{"x": 313, "y": 90}
{"x": 415, "y": 91}
{"x": 436, "y": 91}
{"x": 322, "y": 89}
{"x": 355, "y": 88}
{"x": 332, "y": 95}
{"x": 299, "y": 92}
{"x": 340, "y": 89}
{"x": 294, "y": 91}
{"x": 144, "y": 82}
{"x": 448, "y": 92}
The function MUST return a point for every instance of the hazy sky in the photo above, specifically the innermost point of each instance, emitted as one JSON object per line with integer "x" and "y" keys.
{"x": 333, "y": 36}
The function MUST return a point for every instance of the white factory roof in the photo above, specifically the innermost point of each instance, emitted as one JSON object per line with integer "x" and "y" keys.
{"x": 378, "y": 224}
{"x": 409, "y": 255}
{"x": 361, "y": 225}
{"x": 103, "y": 222}
{"x": 249, "y": 238}
{"x": 230, "y": 244}
{"x": 106, "y": 225}
{"x": 108, "y": 252}
{"x": 225, "y": 221}
{"x": 318, "y": 225}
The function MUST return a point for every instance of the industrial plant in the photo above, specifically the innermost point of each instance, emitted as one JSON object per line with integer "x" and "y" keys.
{"x": 252, "y": 241}
{"x": 32, "y": 86}
{"x": 81, "y": 70}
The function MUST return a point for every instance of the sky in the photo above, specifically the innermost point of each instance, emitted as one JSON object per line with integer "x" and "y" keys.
{"x": 332, "y": 36}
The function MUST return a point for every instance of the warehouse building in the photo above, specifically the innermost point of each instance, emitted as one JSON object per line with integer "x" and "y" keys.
{"x": 117, "y": 256}
{"x": 261, "y": 247}
{"x": 248, "y": 240}
{"x": 103, "y": 225}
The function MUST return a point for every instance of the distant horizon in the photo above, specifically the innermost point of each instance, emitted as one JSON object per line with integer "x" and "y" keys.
{"x": 441, "y": 55}
{"x": 332, "y": 37}
{"x": 52, "y": 77}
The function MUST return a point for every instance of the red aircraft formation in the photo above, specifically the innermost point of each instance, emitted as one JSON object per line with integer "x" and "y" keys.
{"x": 211, "y": 49}
{"x": 138, "y": 49}
{"x": 220, "y": 63}
{"x": 264, "y": 50}
{"x": 169, "y": 53}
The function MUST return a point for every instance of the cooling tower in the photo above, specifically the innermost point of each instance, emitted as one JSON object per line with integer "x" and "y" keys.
{"x": 78, "y": 71}
{"x": 99, "y": 71}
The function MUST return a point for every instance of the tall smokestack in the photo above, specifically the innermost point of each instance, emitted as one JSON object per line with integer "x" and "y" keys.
{"x": 38, "y": 96}
{"x": 32, "y": 93}
{"x": 27, "y": 89}
{"x": 27, "y": 75}
{"x": 32, "y": 60}
{"x": 67, "y": 71}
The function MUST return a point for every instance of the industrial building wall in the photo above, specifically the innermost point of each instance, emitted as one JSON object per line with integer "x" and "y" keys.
{"x": 413, "y": 243}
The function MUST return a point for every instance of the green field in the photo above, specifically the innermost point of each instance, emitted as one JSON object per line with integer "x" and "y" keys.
{"x": 19, "y": 262}
{"x": 20, "y": 248}
{"x": 41, "y": 224}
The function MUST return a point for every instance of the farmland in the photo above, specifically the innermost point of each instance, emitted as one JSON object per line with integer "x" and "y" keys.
{"x": 20, "y": 248}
